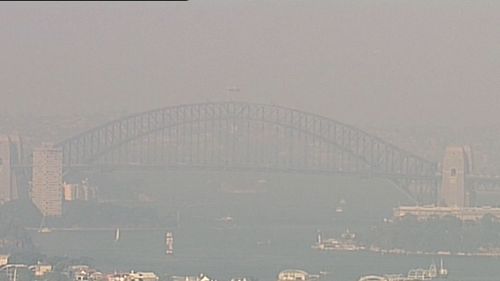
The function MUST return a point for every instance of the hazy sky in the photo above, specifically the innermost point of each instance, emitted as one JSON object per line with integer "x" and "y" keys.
{"x": 361, "y": 62}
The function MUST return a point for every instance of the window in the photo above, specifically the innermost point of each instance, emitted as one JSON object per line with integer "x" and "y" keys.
{"x": 453, "y": 172}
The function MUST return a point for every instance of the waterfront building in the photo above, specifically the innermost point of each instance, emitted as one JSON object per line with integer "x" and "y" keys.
{"x": 84, "y": 273}
{"x": 4, "y": 259}
{"x": 40, "y": 269}
{"x": 47, "y": 183}
{"x": 133, "y": 276}
{"x": 117, "y": 277}
{"x": 201, "y": 277}
{"x": 142, "y": 276}
{"x": 79, "y": 191}
{"x": 429, "y": 212}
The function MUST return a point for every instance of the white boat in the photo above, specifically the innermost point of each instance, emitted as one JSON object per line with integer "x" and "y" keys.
{"x": 45, "y": 230}
{"x": 227, "y": 219}
{"x": 443, "y": 272}
{"x": 42, "y": 228}
{"x": 372, "y": 278}
{"x": 340, "y": 207}
{"x": 117, "y": 234}
{"x": 346, "y": 243}
{"x": 169, "y": 243}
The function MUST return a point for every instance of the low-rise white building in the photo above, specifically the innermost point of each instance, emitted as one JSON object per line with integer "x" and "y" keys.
{"x": 201, "y": 277}
{"x": 142, "y": 276}
{"x": 4, "y": 259}
{"x": 40, "y": 269}
{"x": 428, "y": 212}
{"x": 133, "y": 276}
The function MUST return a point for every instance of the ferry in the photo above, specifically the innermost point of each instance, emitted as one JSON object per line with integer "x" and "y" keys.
{"x": 169, "y": 243}
{"x": 44, "y": 230}
{"x": 346, "y": 243}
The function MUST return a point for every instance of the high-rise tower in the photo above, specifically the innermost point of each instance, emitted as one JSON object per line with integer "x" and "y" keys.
{"x": 47, "y": 181}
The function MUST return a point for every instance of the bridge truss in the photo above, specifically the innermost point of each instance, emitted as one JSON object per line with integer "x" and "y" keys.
{"x": 249, "y": 136}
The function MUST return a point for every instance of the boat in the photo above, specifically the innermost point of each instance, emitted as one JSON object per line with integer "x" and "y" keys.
{"x": 346, "y": 243}
{"x": 227, "y": 219}
{"x": 340, "y": 207}
{"x": 169, "y": 243}
{"x": 264, "y": 243}
{"x": 347, "y": 235}
{"x": 372, "y": 278}
{"x": 443, "y": 272}
{"x": 432, "y": 273}
{"x": 43, "y": 228}
{"x": 117, "y": 234}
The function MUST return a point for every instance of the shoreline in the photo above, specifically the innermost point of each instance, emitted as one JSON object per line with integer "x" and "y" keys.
{"x": 399, "y": 252}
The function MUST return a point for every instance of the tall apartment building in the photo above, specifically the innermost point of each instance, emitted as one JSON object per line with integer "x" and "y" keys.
{"x": 47, "y": 181}
{"x": 11, "y": 154}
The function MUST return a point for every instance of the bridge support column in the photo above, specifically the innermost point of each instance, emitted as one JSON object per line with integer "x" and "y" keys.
{"x": 421, "y": 191}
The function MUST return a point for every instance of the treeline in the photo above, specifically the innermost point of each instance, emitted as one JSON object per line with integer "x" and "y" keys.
{"x": 80, "y": 214}
{"x": 436, "y": 234}
{"x": 15, "y": 240}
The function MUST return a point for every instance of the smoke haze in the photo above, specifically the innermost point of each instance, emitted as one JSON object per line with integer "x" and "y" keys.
{"x": 362, "y": 62}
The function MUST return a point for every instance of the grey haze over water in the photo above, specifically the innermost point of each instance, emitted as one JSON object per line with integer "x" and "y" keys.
{"x": 362, "y": 62}
{"x": 372, "y": 64}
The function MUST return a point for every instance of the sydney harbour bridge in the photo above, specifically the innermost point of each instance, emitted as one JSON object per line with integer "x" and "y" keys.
{"x": 245, "y": 136}
{"x": 250, "y": 137}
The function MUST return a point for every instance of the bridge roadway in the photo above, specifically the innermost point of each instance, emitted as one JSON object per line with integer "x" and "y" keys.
{"x": 478, "y": 182}
{"x": 209, "y": 131}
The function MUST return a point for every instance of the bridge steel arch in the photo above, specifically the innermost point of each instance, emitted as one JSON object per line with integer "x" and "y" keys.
{"x": 372, "y": 155}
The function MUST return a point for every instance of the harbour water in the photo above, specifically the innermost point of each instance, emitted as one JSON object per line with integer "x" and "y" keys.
{"x": 227, "y": 252}
{"x": 272, "y": 230}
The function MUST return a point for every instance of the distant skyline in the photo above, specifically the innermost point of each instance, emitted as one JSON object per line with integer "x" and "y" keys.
{"x": 360, "y": 62}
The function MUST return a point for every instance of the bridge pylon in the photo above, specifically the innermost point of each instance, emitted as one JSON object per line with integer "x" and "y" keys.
{"x": 11, "y": 155}
{"x": 457, "y": 164}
